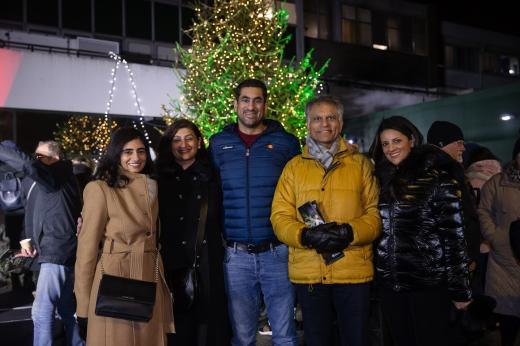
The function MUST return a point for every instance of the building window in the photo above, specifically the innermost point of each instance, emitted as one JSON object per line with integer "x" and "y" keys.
{"x": 356, "y": 25}
{"x": 12, "y": 10}
{"x": 393, "y": 32}
{"x": 138, "y": 19}
{"x": 166, "y": 22}
{"x": 42, "y": 12}
{"x": 108, "y": 17}
{"x": 188, "y": 16}
{"x": 490, "y": 63}
{"x": 461, "y": 58}
{"x": 419, "y": 36}
{"x": 317, "y": 19}
{"x": 76, "y": 14}
{"x": 508, "y": 65}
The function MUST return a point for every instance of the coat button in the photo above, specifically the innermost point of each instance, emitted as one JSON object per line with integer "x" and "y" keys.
{"x": 180, "y": 196}
{"x": 184, "y": 242}
{"x": 178, "y": 178}
{"x": 204, "y": 241}
{"x": 181, "y": 218}
{"x": 198, "y": 196}
{"x": 194, "y": 178}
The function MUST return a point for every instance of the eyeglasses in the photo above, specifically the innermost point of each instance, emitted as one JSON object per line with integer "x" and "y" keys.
{"x": 39, "y": 156}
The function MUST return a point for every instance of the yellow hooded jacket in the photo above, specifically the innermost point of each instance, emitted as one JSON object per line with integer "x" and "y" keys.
{"x": 346, "y": 193}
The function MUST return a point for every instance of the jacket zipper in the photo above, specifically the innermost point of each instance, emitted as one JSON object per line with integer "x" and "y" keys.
{"x": 392, "y": 246}
{"x": 249, "y": 232}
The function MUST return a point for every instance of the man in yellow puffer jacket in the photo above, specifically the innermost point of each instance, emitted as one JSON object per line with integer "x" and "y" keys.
{"x": 341, "y": 181}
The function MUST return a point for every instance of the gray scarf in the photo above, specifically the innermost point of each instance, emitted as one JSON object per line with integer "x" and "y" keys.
{"x": 321, "y": 153}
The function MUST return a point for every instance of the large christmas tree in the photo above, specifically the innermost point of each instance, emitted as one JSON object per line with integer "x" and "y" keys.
{"x": 234, "y": 40}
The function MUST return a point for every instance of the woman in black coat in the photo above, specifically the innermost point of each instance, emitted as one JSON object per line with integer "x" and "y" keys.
{"x": 421, "y": 256}
{"x": 185, "y": 179}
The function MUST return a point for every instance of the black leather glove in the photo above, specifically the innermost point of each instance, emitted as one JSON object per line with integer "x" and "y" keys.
{"x": 82, "y": 324}
{"x": 341, "y": 237}
{"x": 329, "y": 237}
{"x": 311, "y": 237}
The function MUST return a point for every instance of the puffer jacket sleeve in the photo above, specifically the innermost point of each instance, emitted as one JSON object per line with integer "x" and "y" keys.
{"x": 284, "y": 216}
{"x": 450, "y": 223}
{"x": 367, "y": 227}
{"x": 487, "y": 209}
{"x": 95, "y": 217}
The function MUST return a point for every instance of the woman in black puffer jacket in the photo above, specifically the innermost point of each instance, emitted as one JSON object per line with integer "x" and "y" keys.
{"x": 421, "y": 260}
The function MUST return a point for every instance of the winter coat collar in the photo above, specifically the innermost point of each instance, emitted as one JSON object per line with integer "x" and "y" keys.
{"x": 509, "y": 176}
{"x": 272, "y": 126}
{"x": 343, "y": 149}
{"x": 422, "y": 159}
{"x": 200, "y": 168}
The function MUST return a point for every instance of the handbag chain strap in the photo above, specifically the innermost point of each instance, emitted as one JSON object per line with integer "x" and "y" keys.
{"x": 156, "y": 274}
{"x": 201, "y": 227}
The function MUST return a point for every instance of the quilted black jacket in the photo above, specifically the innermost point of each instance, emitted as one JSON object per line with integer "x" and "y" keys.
{"x": 422, "y": 245}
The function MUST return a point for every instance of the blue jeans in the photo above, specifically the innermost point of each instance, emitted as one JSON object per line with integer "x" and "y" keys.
{"x": 246, "y": 275}
{"x": 54, "y": 291}
{"x": 351, "y": 304}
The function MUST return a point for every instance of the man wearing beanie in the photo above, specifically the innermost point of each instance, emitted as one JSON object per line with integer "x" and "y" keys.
{"x": 449, "y": 138}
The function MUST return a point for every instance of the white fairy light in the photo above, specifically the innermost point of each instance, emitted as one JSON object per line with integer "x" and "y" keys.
{"x": 133, "y": 91}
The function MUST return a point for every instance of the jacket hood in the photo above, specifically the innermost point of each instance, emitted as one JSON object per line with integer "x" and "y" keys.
{"x": 482, "y": 170}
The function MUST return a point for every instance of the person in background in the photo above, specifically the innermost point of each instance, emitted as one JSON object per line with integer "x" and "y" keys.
{"x": 82, "y": 170}
{"x": 499, "y": 210}
{"x": 119, "y": 237}
{"x": 341, "y": 181}
{"x": 249, "y": 157}
{"x": 449, "y": 138}
{"x": 185, "y": 178}
{"x": 421, "y": 260}
{"x": 52, "y": 206}
{"x": 481, "y": 165}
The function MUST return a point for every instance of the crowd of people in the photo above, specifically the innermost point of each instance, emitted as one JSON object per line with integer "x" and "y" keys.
{"x": 405, "y": 223}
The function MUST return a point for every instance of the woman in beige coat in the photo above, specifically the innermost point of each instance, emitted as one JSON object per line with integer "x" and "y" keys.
{"x": 499, "y": 206}
{"x": 119, "y": 237}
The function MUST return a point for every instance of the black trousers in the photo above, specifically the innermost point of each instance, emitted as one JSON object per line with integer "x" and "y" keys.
{"x": 346, "y": 304}
{"x": 509, "y": 328}
{"x": 416, "y": 318}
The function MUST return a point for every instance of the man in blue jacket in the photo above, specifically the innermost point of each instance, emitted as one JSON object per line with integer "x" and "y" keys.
{"x": 52, "y": 207}
{"x": 250, "y": 156}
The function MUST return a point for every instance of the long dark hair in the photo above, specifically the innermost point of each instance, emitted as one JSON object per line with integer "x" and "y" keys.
{"x": 165, "y": 157}
{"x": 397, "y": 123}
{"x": 109, "y": 164}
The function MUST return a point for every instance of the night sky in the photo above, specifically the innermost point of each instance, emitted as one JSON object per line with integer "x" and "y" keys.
{"x": 497, "y": 15}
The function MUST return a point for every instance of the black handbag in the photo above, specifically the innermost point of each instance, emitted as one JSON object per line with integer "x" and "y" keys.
{"x": 185, "y": 281}
{"x": 185, "y": 287}
{"x": 125, "y": 298}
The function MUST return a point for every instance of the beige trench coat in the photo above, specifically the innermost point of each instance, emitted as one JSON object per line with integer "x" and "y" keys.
{"x": 499, "y": 206}
{"x": 121, "y": 224}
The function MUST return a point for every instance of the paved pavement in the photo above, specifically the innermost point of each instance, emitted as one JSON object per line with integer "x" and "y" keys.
{"x": 16, "y": 325}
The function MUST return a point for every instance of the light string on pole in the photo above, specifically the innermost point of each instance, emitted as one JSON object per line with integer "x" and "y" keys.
{"x": 133, "y": 88}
